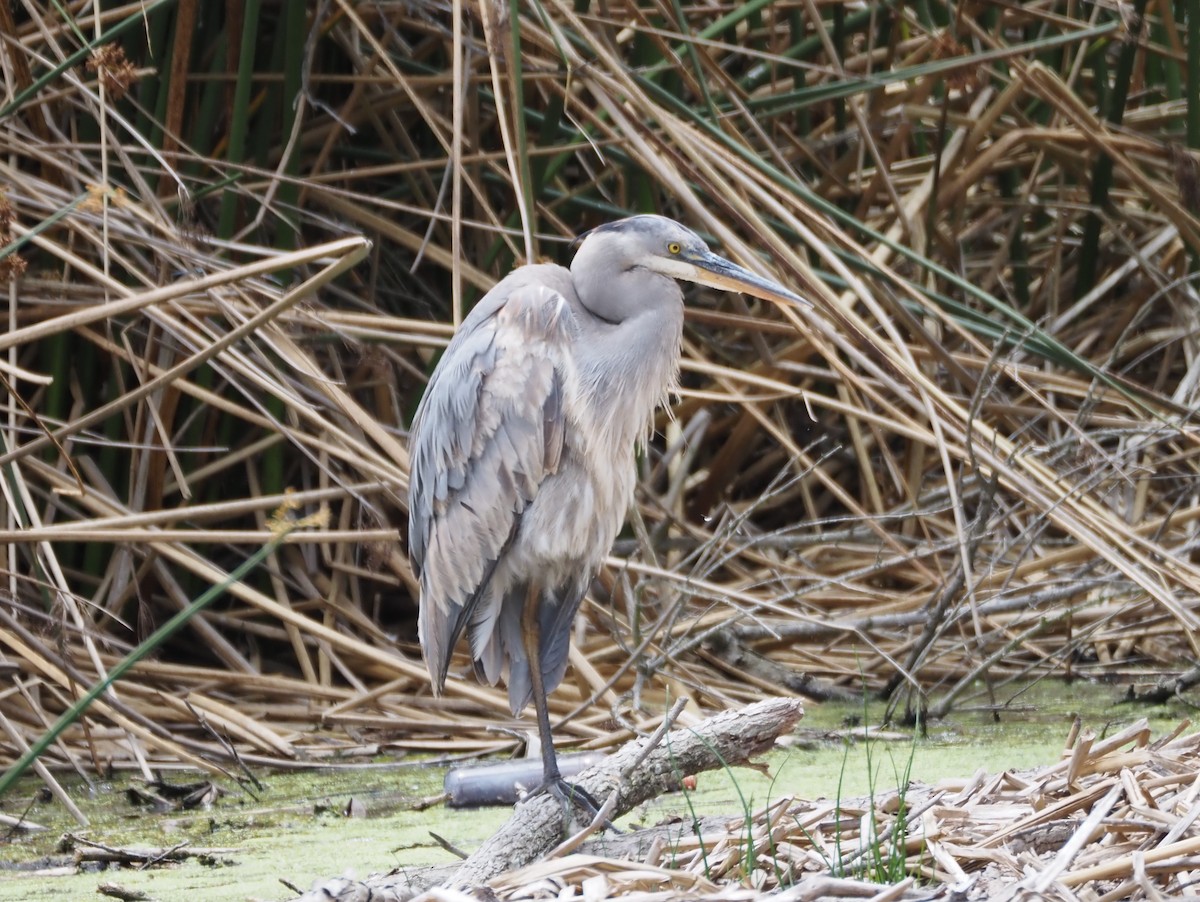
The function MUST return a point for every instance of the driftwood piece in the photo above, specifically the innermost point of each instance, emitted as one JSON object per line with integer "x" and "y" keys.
{"x": 1165, "y": 689}
{"x": 732, "y": 737}
{"x": 124, "y": 893}
{"x": 20, "y": 824}
{"x": 87, "y": 850}
{"x": 536, "y": 826}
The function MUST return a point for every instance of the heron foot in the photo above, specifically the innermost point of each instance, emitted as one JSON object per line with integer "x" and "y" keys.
{"x": 572, "y": 794}
{"x": 574, "y": 798}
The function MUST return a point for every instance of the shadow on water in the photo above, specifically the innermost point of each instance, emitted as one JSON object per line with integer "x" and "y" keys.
{"x": 298, "y": 829}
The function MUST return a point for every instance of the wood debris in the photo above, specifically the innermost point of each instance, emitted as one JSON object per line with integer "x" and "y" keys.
{"x": 1115, "y": 818}
{"x": 88, "y": 850}
{"x": 1119, "y": 822}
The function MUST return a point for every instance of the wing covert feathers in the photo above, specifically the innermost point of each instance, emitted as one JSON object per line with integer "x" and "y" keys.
{"x": 488, "y": 432}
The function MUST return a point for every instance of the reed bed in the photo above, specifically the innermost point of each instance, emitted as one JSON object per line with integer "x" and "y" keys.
{"x": 972, "y": 463}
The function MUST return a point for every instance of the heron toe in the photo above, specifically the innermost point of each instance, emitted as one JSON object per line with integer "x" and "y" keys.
{"x": 566, "y": 792}
{"x": 573, "y": 798}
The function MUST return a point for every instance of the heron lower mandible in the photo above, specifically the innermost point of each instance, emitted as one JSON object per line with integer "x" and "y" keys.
{"x": 522, "y": 450}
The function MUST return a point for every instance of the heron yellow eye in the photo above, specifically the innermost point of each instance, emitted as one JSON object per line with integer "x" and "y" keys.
{"x": 674, "y": 247}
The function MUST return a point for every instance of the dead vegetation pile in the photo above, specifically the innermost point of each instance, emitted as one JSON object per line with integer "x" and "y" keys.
{"x": 975, "y": 459}
{"x": 1116, "y": 818}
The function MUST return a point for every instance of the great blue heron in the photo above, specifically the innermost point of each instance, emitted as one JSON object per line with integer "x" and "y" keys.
{"x": 522, "y": 450}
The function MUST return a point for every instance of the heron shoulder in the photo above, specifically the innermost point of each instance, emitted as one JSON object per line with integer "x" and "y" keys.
{"x": 515, "y": 289}
{"x": 536, "y": 312}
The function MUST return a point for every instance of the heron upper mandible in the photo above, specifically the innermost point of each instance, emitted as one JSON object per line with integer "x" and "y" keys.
{"x": 522, "y": 450}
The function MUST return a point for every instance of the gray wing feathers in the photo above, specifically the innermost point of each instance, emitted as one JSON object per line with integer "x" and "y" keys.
{"x": 487, "y": 433}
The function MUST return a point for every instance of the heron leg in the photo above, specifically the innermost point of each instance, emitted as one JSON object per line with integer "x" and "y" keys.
{"x": 552, "y": 780}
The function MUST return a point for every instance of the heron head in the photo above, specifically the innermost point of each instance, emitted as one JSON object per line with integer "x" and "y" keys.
{"x": 663, "y": 246}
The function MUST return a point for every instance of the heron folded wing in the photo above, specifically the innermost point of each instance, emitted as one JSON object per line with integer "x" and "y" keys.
{"x": 487, "y": 434}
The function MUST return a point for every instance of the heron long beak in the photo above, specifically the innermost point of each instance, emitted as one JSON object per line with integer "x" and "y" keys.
{"x": 717, "y": 272}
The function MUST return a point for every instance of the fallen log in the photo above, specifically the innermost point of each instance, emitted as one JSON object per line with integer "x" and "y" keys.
{"x": 537, "y": 825}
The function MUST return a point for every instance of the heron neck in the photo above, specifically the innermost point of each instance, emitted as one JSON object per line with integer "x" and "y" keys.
{"x": 627, "y": 369}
